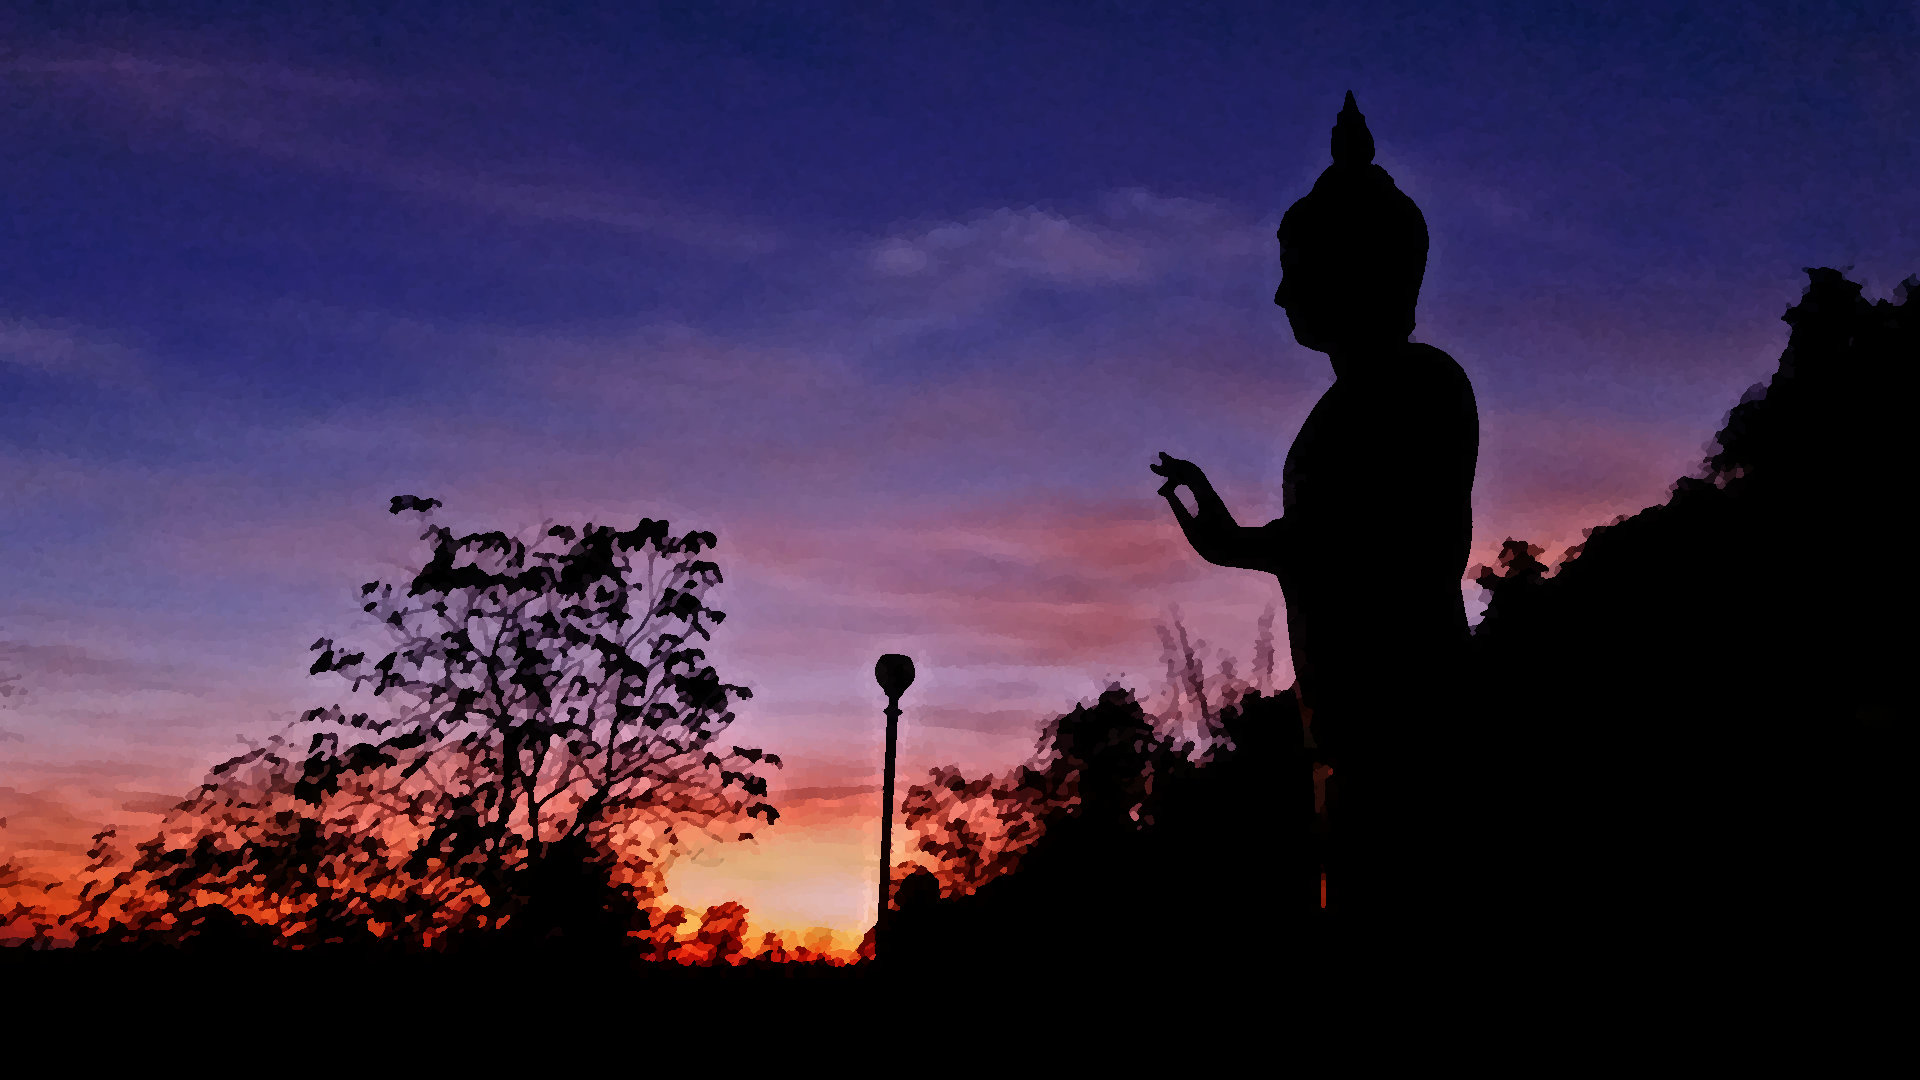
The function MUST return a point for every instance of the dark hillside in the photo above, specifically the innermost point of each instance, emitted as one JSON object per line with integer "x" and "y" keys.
{"x": 1698, "y": 728}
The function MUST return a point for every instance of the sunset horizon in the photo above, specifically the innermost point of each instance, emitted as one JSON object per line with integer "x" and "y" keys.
{"x": 900, "y": 307}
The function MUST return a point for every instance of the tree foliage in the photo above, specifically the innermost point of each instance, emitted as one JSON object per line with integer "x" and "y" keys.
{"x": 546, "y": 736}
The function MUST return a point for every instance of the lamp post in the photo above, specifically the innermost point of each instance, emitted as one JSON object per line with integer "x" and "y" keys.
{"x": 894, "y": 673}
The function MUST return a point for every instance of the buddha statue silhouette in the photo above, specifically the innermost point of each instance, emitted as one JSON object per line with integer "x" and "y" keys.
{"x": 1372, "y": 544}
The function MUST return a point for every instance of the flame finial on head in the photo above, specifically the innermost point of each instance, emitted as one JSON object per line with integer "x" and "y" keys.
{"x": 1352, "y": 142}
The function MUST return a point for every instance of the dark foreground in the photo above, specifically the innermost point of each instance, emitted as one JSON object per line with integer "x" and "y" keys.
{"x": 1263, "y": 995}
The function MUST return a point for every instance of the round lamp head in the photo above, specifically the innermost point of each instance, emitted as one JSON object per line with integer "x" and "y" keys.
{"x": 894, "y": 673}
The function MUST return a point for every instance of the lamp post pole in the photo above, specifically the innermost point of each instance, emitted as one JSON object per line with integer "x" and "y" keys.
{"x": 894, "y": 673}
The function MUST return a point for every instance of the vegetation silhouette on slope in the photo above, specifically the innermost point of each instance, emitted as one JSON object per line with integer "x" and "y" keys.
{"x": 1688, "y": 745}
{"x": 1696, "y": 726}
{"x": 1685, "y": 745}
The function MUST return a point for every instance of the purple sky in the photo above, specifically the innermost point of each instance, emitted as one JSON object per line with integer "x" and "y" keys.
{"x": 900, "y": 305}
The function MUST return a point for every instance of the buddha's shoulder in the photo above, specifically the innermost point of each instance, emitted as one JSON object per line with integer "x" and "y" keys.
{"x": 1434, "y": 362}
{"x": 1435, "y": 371}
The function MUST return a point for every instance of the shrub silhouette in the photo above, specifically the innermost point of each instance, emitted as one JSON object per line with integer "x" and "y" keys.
{"x": 1113, "y": 814}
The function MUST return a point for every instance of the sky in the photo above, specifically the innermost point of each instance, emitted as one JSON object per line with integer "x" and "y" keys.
{"x": 899, "y": 300}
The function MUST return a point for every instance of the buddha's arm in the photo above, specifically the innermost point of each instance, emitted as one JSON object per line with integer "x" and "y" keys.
{"x": 1210, "y": 527}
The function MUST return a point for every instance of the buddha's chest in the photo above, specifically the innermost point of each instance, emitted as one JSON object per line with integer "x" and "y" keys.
{"x": 1327, "y": 457}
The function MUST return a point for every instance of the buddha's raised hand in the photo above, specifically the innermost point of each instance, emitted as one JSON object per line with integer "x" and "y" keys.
{"x": 1179, "y": 473}
{"x": 1210, "y": 527}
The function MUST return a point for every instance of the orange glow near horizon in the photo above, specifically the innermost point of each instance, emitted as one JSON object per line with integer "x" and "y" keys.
{"x": 832, "y": 849}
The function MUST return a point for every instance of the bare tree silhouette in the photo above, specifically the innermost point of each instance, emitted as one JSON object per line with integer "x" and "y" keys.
{"x": 550, "y": 739}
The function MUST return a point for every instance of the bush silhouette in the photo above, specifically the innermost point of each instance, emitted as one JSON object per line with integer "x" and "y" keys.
{"x": 1117, "y": 816}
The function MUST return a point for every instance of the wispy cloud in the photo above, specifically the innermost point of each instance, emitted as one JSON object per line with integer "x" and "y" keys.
{"x": 931, "y": 273}
{"x": 379, "y": 131}
{"x": 72, "y": 352}
{"x": 1030, "y": 242}
{"x": 43, "y": 664}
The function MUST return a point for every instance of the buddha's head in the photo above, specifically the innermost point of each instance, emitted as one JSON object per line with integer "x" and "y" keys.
{"x": 1352, "y": 252}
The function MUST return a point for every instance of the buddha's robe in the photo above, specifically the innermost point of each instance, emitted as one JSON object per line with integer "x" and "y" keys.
{"x": 1371, "y": 553}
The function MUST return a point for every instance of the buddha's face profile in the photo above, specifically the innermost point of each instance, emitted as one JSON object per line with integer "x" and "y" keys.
{"x": 1323, "y": 312}
{"x": 1333, "y": 305}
